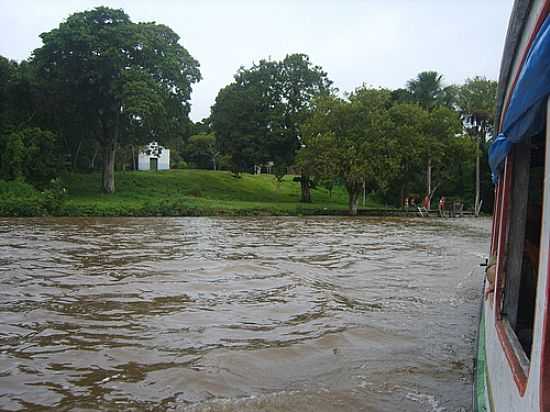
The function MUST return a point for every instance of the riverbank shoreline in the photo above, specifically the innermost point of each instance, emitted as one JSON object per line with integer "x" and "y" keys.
{"x": 180, "y": 193}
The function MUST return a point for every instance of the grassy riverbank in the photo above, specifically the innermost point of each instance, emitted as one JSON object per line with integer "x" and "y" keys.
{"x": 171, "y": 193}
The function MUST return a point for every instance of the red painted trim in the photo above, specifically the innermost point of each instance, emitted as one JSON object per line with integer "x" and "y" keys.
{"x": 545, "y": 353}
{"x": 496, "y": 218}
{"x": 520, "y": 378}
{"x": 540, "y": 20}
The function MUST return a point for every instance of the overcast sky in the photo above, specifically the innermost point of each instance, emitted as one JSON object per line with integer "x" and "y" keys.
{"x": 377, "y": 42}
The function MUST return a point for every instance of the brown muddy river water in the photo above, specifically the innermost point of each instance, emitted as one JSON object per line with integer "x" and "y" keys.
{"x": 256, "y": 314}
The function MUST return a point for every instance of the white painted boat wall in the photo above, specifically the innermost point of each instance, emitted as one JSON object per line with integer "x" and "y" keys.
{"x": 505, "y": 393}
{"x": 163, "y": 160}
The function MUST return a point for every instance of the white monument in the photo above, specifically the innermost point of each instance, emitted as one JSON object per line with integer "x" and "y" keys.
{"x": 154, "y": 157}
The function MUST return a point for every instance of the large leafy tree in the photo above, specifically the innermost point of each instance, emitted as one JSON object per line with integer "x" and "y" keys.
{"x": 428, "y": 90}
{"x": 257, "y": 117}
{"x": 26, "y": 151}
{"x": 410, "y": 124}
{"x": 29, "y": 153}
{"x": 121, "y": 80}
{"x": 247, "y": 116}
{"x": 353, "y": 140}
{"x": 201, "y": 151}
{"x": 442, "y": 130}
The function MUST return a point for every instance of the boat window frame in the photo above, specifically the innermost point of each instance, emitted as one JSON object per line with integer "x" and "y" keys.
{"x": 508, "y": 341}
{"x": 515, "y": 355}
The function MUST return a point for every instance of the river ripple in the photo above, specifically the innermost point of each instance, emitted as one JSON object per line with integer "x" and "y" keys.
{"x": 262, "y": 314}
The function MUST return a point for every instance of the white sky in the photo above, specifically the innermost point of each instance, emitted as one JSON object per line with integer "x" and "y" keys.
{"x": 377, "y": 42}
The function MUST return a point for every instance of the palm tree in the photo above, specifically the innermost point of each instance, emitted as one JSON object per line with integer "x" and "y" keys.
{"x": 476, "y": 102}
{"x": 428, "y": 91}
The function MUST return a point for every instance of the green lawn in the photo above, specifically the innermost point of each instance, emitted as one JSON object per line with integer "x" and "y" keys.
{"x": 189, "y": 193}
{"x": 172, "y": 193}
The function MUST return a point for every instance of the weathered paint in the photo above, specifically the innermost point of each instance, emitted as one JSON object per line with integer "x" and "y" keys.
{"x": 480, "y": 388}
{"x": 512, "y": 386}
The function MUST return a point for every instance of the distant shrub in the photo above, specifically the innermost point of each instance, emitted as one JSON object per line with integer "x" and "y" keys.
{"x": 18, "y": 198}
{"x": 16, "y": 189}
{"x": 182, "y": 164}
{"x": 54, "y": 195}
{"x": 30, "y": 153}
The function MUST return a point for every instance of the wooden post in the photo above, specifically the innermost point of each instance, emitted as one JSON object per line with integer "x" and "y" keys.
{"x": 477, "y": 204}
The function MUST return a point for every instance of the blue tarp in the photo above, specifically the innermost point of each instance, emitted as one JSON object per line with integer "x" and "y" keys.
{"x": 526, "y": 110}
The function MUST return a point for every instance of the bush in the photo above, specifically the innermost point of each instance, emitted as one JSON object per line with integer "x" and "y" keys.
{"x": 18, "y": 198}
{"x": 30, "y": 153}
{"x": 182, "y": 164}
{"x": 53, "y": 196}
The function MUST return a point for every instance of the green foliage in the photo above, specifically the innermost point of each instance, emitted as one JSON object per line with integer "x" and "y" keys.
{"x": 12, "y": 156}
{"x": 257, "y": 117}
{"x": 376, "y": 141}
{"x": 352, "y": 139}
{"x": 124, "y": 81}
{"x": 427, "y": 90}
{"x": 477, "y": 97}
{"x": 18, "y": 198}
{"x": 29, "y": 153}
{"x": 182, "y": 164}
{"x": 54, "y": 196}
{"x": 167, "y": 193}
{"x": 201, "y": 151}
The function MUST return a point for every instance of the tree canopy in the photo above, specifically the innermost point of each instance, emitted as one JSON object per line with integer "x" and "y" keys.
{"x": 374, "y": 142}
{"x": 121, "y": 80}
{"x": 102, "y": 86}
{"x": 257, "y": 117}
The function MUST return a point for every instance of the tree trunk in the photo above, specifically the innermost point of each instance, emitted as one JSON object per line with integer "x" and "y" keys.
{"x": 306, "y": 192}
{"x": 353, "y": 199}
{"x": 133, "y": 157}
{"x": 364, "y": 193}
{"x": 354, "y": 191}
{"x": 477, "y": 198}
{"x": 429, "y": 177}
{"x": 109, "y": 151}
{"x": 76, "y": 154}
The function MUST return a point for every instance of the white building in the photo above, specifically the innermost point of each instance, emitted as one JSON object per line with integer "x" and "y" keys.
{"x": 154, "y": 157}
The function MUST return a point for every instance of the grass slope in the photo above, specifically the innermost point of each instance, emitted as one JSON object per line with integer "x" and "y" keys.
{"x": 194, "y": 193}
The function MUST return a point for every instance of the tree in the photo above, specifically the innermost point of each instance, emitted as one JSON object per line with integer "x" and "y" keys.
{"x": 442, "y": 128}
{"x": 352, "y": 139}
{"x": 257, "y": 117}
{"x": 410, "y": 124}
{"x": 248, "y": 116}
{"x": 428, "y": 91}
{"x": 29, "y": 153}
{"x": 201, "y": 151}
{"x": 7, "y": 76}
{"x": 477, "y": 104}
{"x": 117, "y": 77}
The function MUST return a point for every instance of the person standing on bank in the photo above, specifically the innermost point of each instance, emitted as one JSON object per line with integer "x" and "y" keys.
{"x": 441, "y": 206}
